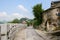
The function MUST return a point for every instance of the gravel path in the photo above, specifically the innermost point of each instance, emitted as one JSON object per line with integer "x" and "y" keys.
{"x": 28, "y": 34}
{"x": 20, "y": 35}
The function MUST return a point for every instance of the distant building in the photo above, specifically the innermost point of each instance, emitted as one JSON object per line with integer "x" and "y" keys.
{"x": 51, "y": 16}
{"x": 23, "y": 22}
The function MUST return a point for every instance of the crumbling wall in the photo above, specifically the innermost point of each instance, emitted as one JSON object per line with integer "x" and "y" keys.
{"x": 8, "y": 31}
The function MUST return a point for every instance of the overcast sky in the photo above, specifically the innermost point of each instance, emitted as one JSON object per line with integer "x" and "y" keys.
{"x": 11, "y": 9}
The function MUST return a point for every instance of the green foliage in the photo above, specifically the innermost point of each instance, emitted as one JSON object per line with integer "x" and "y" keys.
{"x": 37, "y": 11}
{"x": 23, "y": 19}
{"x": 29, "y": 22}
{"x": 15, "y": 21}
{"x": 35, "y": 23}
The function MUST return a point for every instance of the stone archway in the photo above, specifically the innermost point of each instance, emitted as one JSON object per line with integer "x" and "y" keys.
{"x": 47, "y": 24}
{"x": 50, "y": 24}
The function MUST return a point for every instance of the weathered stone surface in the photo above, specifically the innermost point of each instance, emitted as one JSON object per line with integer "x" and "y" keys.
{"x": 7, "y": 31}
{"x": 51, "y": 18}
{"x": 48, "y": 36}
{"x": 28, "y": 34}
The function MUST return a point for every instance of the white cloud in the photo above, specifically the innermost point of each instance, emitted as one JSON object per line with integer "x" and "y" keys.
{"x": 3, "y": 14}
{"x": 21, "y": 7}
{"x": 17, "y": 15}
{"x": 8, "y": 17}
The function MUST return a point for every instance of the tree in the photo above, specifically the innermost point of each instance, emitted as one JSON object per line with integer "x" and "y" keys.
{"x": 15, "y": 21}
{"x": 23, "y": 19}
{"x": 37, "y": 12}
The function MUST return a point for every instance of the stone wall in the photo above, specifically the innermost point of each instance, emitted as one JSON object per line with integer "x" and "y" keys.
{"x": 55, "y": 4}
{"x": 51, "y": 19}
{"x": 8, "y": 30}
